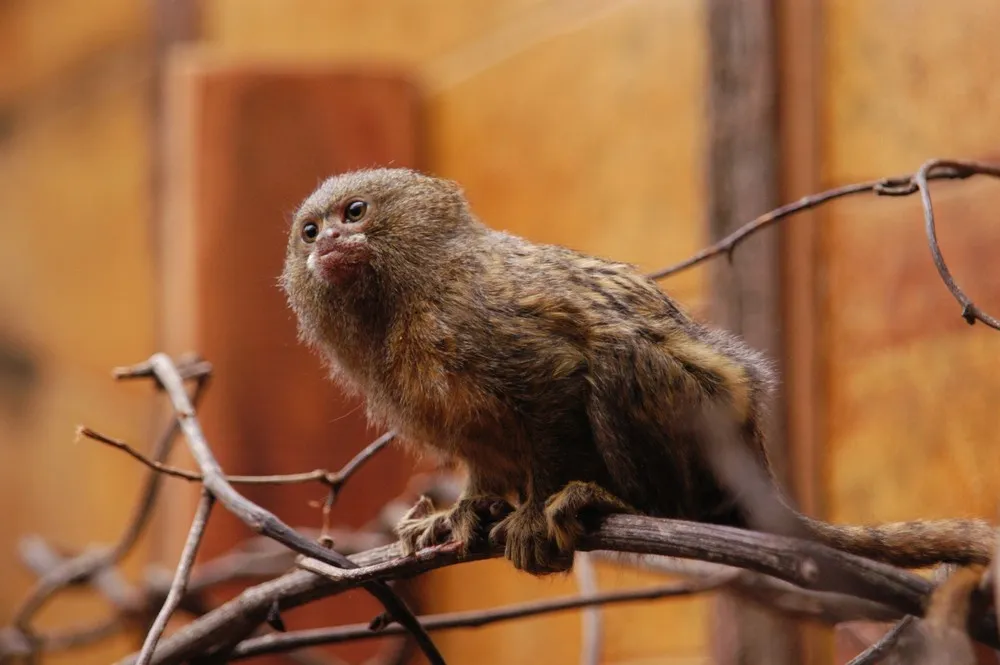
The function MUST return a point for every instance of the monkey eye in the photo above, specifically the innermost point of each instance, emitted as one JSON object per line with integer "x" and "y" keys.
{"x": 355, "y": 210}
{"x": 310, "y": 231}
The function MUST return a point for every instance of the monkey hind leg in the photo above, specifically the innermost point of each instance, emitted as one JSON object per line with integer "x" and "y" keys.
{"x": 576, "y": 509}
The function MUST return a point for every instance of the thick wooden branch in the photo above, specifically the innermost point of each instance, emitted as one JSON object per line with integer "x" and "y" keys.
{"x": 803, "y": 563}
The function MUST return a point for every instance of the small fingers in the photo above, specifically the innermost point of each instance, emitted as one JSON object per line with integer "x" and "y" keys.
{"x": 527, "y": 545}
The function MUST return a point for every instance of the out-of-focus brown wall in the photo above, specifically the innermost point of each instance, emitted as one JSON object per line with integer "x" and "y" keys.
{"x": 909, "y": 389}
{"x": 580, "y": 122}
{"x": 911, "y": 411}
{"x": 75, "y": 280}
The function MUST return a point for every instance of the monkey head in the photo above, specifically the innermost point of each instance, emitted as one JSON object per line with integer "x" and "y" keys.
{"x": 364, "y": 237}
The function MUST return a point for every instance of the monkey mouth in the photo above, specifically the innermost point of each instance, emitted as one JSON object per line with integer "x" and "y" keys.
{"x": 339, "y": 261}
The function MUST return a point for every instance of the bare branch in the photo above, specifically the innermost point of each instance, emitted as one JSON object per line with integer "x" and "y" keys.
{"x": 87, "y": 563}
{"x": 263, "y": 521}
{"x": 823, "y": 606}
{"x": 803, "y": 563}
{"x": 179, "y": 585}
{"x": 338, "y": 479}
{"x": 936, "y": 169}
{"x": 877, "y": 652}
{"x": 950, "y": 168}
{"x": 897, "y": 186}
{"x": 793, "y": 575}
{"x": 155, "y": 465}
{"x": 277, "y": 643}
{"x": 335, "y": 480}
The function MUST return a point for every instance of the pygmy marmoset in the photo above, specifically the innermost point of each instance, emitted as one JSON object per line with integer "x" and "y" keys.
{"x": 563, "y": 382}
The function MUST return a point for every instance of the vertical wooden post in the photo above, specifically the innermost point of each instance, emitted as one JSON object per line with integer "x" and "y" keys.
{"x": 800, "y": 86}
{"x": 246, "y": 144}
{"x": 742, "y": 183}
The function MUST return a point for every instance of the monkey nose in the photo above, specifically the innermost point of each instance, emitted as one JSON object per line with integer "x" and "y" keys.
{"x": 327, "y": 242}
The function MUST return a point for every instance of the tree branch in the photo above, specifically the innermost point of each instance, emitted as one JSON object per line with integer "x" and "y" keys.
{"x": 260, "y": 520}
{"x": 797, "y": 576}
{"x": 278, "y": 643}
{"x": 179, "y": 585}
{"x": 86, "y": 564}
{"x": 803, "y": 563}
{"x": 334, "y": 480}
{"x": 951, "y": 168}
{"x": 936, "y": 169}
{"x": 877, "y": 652}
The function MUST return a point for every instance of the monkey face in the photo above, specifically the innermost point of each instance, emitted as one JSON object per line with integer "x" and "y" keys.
{"x": 384, "y": 222}
{"x": 335, "y": 245}
{"x": 365, "y": 241}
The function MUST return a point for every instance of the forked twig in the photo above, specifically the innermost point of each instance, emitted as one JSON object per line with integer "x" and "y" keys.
{"x": 87, "y": 563}
{"x": 951, "y": 168}
{"x": 181, "y": 577}
{"x": 333, "y": 479}
{"x": 257, "y": 518}
{"x": 935, "y": 169}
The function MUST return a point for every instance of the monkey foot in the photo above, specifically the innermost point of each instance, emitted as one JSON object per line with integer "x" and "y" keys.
{"x": 576, "y": 509}
{"x": 422, "y": 527}
{"x": 527, "y": 544}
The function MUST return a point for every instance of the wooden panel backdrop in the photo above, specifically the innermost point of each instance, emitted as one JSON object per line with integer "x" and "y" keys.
{"x": 553, "y": 115}
{"x": 910, "y": 411}
{"x": 76, "y": 284}
{"x": 246, "y": 144}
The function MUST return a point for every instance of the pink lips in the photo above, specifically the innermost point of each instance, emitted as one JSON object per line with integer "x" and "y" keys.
{"x": 338, "y": 260}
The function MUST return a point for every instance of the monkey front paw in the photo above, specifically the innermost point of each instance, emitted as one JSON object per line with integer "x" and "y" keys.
{"x": 525, "y": 537}
{"x": 422, "y": 527}
{"x": 576, "y": 509}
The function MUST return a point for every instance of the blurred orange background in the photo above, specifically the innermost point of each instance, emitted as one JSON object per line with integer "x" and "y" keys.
{"x": 150, "y": 153}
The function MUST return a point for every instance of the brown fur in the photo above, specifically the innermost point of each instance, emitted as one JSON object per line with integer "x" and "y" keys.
{"x": 554, "y": 376}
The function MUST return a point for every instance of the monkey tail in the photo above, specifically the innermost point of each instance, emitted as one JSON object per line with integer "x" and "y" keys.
{"x": 913, "y": 544}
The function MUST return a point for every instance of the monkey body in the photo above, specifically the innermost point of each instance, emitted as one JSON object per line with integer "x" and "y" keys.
{"x": 563, "y": 382}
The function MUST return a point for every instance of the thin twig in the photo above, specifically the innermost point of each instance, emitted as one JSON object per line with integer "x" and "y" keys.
{"x": 190, "y": 367}
{"x": 87, "y": 563}
{"x": 179, "y": 585}
{"x": 897, "y": 186}
{"x": 277, "y": 643}
{"x": 877, "y": 652}
{"x": 155, "y": 465}
{"x": 337, "y": 481}
{"x": 263, "y": 521}
{"x": 334, "y": 479}
{"x": 970, "y": 312}
{"x": 354, "y": 465}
